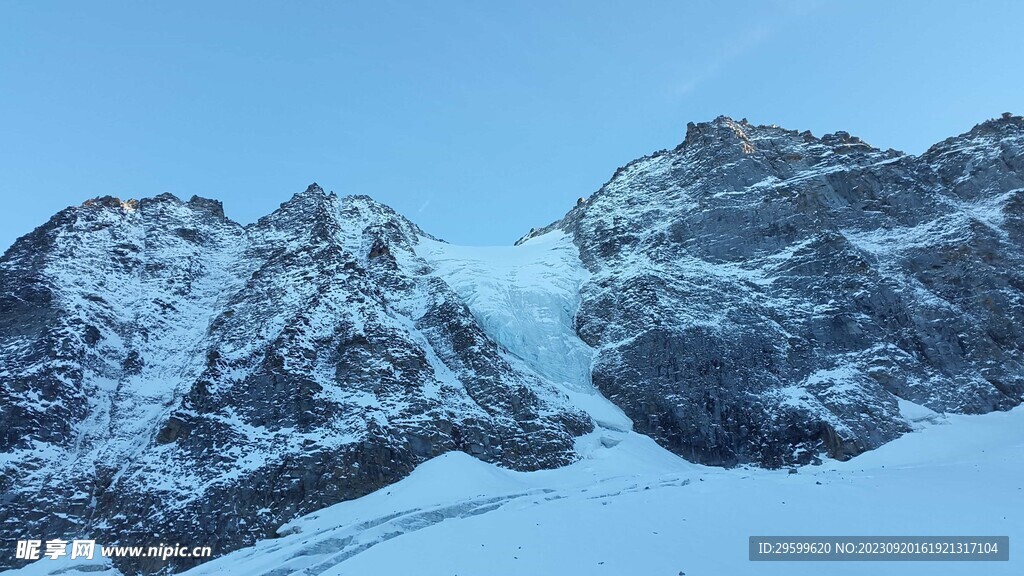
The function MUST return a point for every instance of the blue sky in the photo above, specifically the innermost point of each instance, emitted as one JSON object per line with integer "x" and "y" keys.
{"x": 478, "y": 120}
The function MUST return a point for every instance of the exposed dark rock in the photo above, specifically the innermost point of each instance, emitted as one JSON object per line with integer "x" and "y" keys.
{"x": 764, "y": 296}
{"x": 196, "y": 381}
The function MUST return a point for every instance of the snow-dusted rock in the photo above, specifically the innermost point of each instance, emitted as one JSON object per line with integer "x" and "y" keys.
{"x": 762, "y": 295}
{"x": 170, "y": 376}
{"x": 755, "y": 295}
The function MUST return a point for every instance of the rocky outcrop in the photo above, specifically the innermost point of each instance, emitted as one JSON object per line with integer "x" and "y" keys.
{"x": 766, "y": 296}
{"x": 171, "y": 376}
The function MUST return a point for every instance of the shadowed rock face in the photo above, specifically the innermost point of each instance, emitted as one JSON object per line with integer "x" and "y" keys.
{"x": 756, "y": 295}
{"x": 170, "y": 376}
{"x": 762, "y": 295}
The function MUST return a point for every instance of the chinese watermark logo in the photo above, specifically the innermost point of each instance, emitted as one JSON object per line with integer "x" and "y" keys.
{"x": 31, "y": 549}
{"x": 87, "y": 549}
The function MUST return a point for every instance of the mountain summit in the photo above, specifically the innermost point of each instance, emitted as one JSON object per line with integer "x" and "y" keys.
{"x": 762, "y": 295}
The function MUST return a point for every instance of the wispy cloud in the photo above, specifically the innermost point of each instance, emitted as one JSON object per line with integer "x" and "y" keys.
{"x": 734, "y": 51}
{"x": 748, "y": 41}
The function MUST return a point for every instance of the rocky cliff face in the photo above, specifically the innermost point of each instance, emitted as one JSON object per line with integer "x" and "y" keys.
{"x": 170, "y": 376}
{"x": 762, "y": 295}
{"x": 755, "y": 295}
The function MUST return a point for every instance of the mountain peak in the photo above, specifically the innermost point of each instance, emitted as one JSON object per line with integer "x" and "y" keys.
{"x": 745, "y": 136}
{"x": 102, "y": 202}
{"x": 1007, "y": 122}
{"x": 721, "y": 128}
{"x": 208, "y": 205}
{"x": 1006, "y": 128}
{"x": 314, "y": 188}
{"x": 312, "y": 192}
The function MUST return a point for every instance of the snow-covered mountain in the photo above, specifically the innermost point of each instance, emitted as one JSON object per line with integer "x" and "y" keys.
{"x": 763, "y": 295}
{"x": 755, "y": 296}
{"x": 169, "y": 373}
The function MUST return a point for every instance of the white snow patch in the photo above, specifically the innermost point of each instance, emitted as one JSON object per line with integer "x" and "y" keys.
{"x": 636, "y": 509}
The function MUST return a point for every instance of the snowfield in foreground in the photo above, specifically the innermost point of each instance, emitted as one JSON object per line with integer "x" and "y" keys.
{"x": 635, "y": 509}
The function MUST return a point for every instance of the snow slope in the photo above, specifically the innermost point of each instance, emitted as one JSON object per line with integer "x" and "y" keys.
{"x": 635, "y": 509}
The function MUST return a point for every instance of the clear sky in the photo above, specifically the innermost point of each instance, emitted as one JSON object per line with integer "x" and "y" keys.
{"x": 478, "y": 120}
